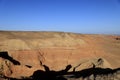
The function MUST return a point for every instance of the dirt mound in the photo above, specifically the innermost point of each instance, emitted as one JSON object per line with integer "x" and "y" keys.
{"x": 56, "y": 50}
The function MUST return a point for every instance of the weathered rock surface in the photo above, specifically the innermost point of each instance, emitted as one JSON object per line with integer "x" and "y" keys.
{"x": 57, "y": 50}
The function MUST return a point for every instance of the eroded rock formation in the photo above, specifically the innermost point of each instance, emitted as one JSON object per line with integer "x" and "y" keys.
{"x": 28, "y": 51}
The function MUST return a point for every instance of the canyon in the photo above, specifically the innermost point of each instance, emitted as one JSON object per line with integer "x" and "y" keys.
{"x": 24, "y": 52}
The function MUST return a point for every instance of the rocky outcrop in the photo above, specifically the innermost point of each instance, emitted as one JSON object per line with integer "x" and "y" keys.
{"x": 94, "y": 73}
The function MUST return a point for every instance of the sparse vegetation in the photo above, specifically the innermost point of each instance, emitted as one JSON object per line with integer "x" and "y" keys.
{"x": 117, "y": 38}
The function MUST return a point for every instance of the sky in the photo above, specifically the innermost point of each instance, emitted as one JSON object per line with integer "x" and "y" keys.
{"x": 78, "y": 16}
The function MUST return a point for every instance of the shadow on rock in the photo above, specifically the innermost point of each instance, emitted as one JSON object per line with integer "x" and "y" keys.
{"x": 6, "y": 56}
{"x": 94, "y": 73}
{"x": 50, "y": 74}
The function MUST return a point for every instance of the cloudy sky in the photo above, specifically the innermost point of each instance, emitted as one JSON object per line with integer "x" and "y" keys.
{"x": 79, "y": 16}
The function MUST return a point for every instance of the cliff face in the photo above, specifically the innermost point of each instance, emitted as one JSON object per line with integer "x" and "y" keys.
{"x": 56, "y": 50}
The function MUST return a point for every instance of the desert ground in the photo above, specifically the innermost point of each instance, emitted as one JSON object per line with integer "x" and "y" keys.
{"x": 22, "y": 53}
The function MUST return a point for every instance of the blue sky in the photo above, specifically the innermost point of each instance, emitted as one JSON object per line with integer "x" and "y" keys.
{"x": 79, "y": 16}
